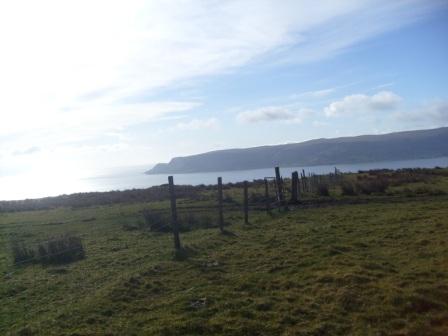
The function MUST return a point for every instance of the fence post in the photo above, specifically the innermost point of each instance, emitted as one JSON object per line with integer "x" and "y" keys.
{"x": 294, "y": 186}
{"x": 279, "y": 181}
{"x": 246, "y": 203}
{"x": 174, "y": 223}
{"x": 304, "y": 181}
{"x": 310, "y": 183}
{"x": 266, "y": 195}
{"x": 221, "y": 216}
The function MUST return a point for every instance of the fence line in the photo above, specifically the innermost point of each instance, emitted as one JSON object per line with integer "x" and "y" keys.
{"x": 299, "y": 187}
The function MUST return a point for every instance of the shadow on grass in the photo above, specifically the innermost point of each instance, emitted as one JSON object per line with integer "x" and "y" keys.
{"x": 228, "y": 233}
{"x": 184, "y": 253}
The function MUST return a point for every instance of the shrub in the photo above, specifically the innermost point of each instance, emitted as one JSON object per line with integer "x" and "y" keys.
{"x": 190, "y": 221}
{"x": 426, "y": 190}
{"x": 161, "y": 222}
{"x": 22, "y": 253}
{"x": 257, "y": 198}
{"x": 155, "y": 221}
{"x": 62, "y": 249}
{"x": 370, "y": 186}
{"x": 229, "y": 199}
{"x": 322, "y": 189}
{"x": 348, "y": 189}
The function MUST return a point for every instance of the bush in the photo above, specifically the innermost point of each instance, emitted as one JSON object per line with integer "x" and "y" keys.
{"x": 155, "y": 221}
{"x": 22, "y": 253}
{"x": 229, "y": 199}
{"x": 427, "y": 190}
{"x": 256, "y": 198}
{"x": 161, "y": 222}
{"x": 190, "y": 221}
{"x": 60, "y": 250}
{"x": 322, "y": 189}
{"x": 348, "y": 189}
{"x": 370, "y": 186}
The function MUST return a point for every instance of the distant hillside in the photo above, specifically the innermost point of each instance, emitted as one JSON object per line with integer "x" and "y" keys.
{"x": 409, "y": 145}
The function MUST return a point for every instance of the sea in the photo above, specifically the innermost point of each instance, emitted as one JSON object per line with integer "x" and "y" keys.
{"x": 25, "y": 186}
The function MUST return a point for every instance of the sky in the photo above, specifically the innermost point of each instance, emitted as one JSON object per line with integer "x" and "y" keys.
{"x": 90, "y": 85}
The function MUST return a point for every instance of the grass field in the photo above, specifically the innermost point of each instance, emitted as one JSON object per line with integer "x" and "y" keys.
{"x": 360, "y": 265}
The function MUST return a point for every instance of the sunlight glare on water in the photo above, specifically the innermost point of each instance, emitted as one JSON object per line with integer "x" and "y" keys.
{"x": 41, "y": 183}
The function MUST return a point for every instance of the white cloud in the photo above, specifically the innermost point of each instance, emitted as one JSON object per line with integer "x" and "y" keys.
{"x": 198, "y": 124}
{"x": 352, "y": 22}
{"x": 70, "y": 137}
{"x": 88, "y": 121}
{"x": 27, "y": 151}
{"x": 361, "y": 103}
{"x": 434, "y": 114}
{"x": 384, "y": 100}
{"x": 69, "y": 70}
{"x": 382, "y": 86}
{"x": 274, "y": 113}
{"x": 55, "y": 54}
{"x": 314, "y": 94}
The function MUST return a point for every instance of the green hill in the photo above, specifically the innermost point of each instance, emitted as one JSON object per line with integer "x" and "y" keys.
{"x": 410, "y": 145}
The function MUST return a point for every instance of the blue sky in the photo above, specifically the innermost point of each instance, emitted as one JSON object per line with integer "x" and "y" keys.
{"x": 97, "y": 84}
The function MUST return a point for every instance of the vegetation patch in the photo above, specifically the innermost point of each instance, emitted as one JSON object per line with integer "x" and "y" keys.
{"x": 57, "y": 250}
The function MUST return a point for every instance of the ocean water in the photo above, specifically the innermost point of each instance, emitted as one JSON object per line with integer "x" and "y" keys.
{"x": 29, "y": 186}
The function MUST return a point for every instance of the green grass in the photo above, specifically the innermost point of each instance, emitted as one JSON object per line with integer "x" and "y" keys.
{"x": 375, "y": 268}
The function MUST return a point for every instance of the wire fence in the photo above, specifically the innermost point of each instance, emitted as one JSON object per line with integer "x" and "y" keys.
{"x": 186, "y": 213}
{"x": 181, "y": 211}
{"x": 221, "y": 204}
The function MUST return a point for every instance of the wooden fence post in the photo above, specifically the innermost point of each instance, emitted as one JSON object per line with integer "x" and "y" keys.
{"x": 220, "y": 213}
{"x": 305, "y": 186}
{"x": 174, "y": 223}
{"x": 246, "y": 203}
{"x": 294, "y": 186}
{"x": 266, "y": 195}
{"x": 310, "y": 183}
{"x": 279, "y": 181}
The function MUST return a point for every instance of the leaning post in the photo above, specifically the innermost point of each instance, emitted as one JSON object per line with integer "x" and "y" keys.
{"x": 220, "y": 212}
{"x": 305, "y": 182}
{"x": 279, "y": 181}
{"x": 174, "y": 223}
